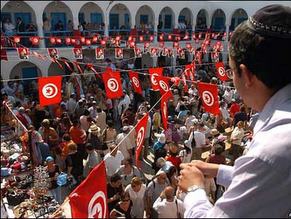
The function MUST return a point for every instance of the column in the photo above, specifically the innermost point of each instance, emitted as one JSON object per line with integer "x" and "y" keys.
{"x": 225, "y": 43}
{"x": 156, "y": 22}
{"x": 106, "y": 26}
{"x": 39, "y": 24}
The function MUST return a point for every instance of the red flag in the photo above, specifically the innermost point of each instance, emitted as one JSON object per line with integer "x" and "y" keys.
{"x": 153, "y": 73}
{"x": 89, "y": 199}
{"x": 50, "y": 90}
{"x": 164, "y": 107}
{"x": 135, "y": 82}
{"x": 209, "y": 96}
{"x": 118, "y": 53}
{"x": 184, "y": 82}
{"x": 78, "y": 53}
{"x": 140, "y": 130}
{"x": 163, "y": 83}
{"x": 190, "y": 71}
{"x": 23, "y": 53}
{"x": 3, "y": 50}
{"x": 112, "y": 84}
{"x": 220, "y": 70}
{"x": 53, "y": 53}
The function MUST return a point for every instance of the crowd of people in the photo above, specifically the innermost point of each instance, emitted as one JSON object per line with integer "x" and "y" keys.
{"x": 80, "y": 132}
{"x": 87, "y": 127}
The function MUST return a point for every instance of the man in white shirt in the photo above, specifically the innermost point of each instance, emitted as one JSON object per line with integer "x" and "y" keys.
{"x": 113, "y": 160}
{"x": 258, "y": 185}
{"x": 124, "y": 103}
{"x": 167, "y": 205}
{"x": 71, "y": 104}
{"x": 124, "y": 143}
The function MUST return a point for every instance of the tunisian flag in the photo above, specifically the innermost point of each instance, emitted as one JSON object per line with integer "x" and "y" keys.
{"x": 112, "y": 84}
{"x": 135, "y": 82}
{"x": 164, "y": 107}
{"x": 89, "y": 199}
{"x": 190, "y": 71}
{"x": 220, "y": 70}
{"x": 140, "y": 130}
{"x": 154, "y": 72}
{"x": 163, "y": 83}
{"x": 209, "y": 96}
{"x": 50, "y": 90}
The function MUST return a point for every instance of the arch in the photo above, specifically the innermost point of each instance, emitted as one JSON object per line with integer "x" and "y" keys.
{"x": 166, "y": 19}
{"x": 186, "y": 17}
{"x": 27, "y": 69}
{"x": 218, "y": 21}
{"x": 119, "y": 17}
{"x": 91, "y": 13}
{"x": 238, "y": 16}
{"x": 201, "y": 20}
{"x": 55, "y": 11}
{"x": 14, "y": 9}
{"x": 54, "y": 69}
{"x": 145, "y": 15}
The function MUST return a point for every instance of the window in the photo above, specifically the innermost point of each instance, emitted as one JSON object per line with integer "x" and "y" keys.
{"x": 182, "y": 18}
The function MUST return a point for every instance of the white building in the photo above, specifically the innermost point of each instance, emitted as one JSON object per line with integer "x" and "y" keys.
{"x": 159, "y": 16}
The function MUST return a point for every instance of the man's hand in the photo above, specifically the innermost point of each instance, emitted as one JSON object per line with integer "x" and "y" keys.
{"x": 190, "y": 175}
{"x": 208, "y": 169}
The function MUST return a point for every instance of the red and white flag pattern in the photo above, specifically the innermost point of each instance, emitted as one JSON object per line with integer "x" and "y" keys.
{"x": 163, "y": 83}
{"x": 154, "y": 72}
{"x": 112, "y": 84}
{"x": 89, "y": 199}
{"x": 164, "y": 107}
{"x": 209, "y": 96}
{"x": 50, "y": 90}
{"x": 135, "y": 82}
{"x": 140, "y": 131}
{"x": 220, "y": 70}
{"x": 190, "y": 71}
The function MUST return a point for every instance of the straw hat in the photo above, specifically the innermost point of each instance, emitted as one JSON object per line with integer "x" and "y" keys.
{"x": 94, "y": 129}
{"x": 214, "y": 132}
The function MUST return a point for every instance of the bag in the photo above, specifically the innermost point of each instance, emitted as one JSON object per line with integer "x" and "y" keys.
{"x": 14, "y": 198}
{"x": 62, "y": 179}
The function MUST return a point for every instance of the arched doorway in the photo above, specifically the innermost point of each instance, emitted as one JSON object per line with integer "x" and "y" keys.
{"x": 201, "y": 21}
{"x": 119, "y": 20}
{"x": 166, "y": 20}
{"x": 29, "y": 72}
{"x": 218, "y": 21}
{"x": 20, "y": 12}
{"x": 185, "y": 19}
{"x": 145, "y": 18}
{"x": 238, "y": 16}
{"x": 92, "y": 17}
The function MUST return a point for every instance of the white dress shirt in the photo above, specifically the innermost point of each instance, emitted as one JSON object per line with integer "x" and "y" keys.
{"x": 112, "y": 163}
{"x": 167, "y": 209}
{"x": 259, "y": 183}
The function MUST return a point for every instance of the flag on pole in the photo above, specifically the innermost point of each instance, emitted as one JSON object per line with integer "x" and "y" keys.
{"x": 209, "y": 96}
{"x": 164, "y": 107}
{"x": 50, "y": 90}
{"x": 140, "y": 130}
{"x": 220, "y": 71}
{"x": 112, "y": 84}
{"x": 89, "y": 199}
{"x": 135, "y": 82}
{"x": 154, "y": 72}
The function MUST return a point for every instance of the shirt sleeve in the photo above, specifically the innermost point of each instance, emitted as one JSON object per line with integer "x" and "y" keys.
{"x": 238, "y": 200}
{"x": 224, "y": 175}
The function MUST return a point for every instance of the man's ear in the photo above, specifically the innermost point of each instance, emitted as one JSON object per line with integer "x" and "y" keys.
{"x": 247, "y": 75}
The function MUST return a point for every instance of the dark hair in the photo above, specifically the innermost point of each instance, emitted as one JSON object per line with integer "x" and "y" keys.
{"x": 86, "y": 112}
{"x": 266, "y": 57}
{"x": 66, "y": 137}
{"x": 115, "y": 177}
{"x": 89, "y": 146}
{"x": 218, "y": 149}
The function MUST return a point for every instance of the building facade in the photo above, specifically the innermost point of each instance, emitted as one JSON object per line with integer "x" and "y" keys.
{"x": 108, "y": 17}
